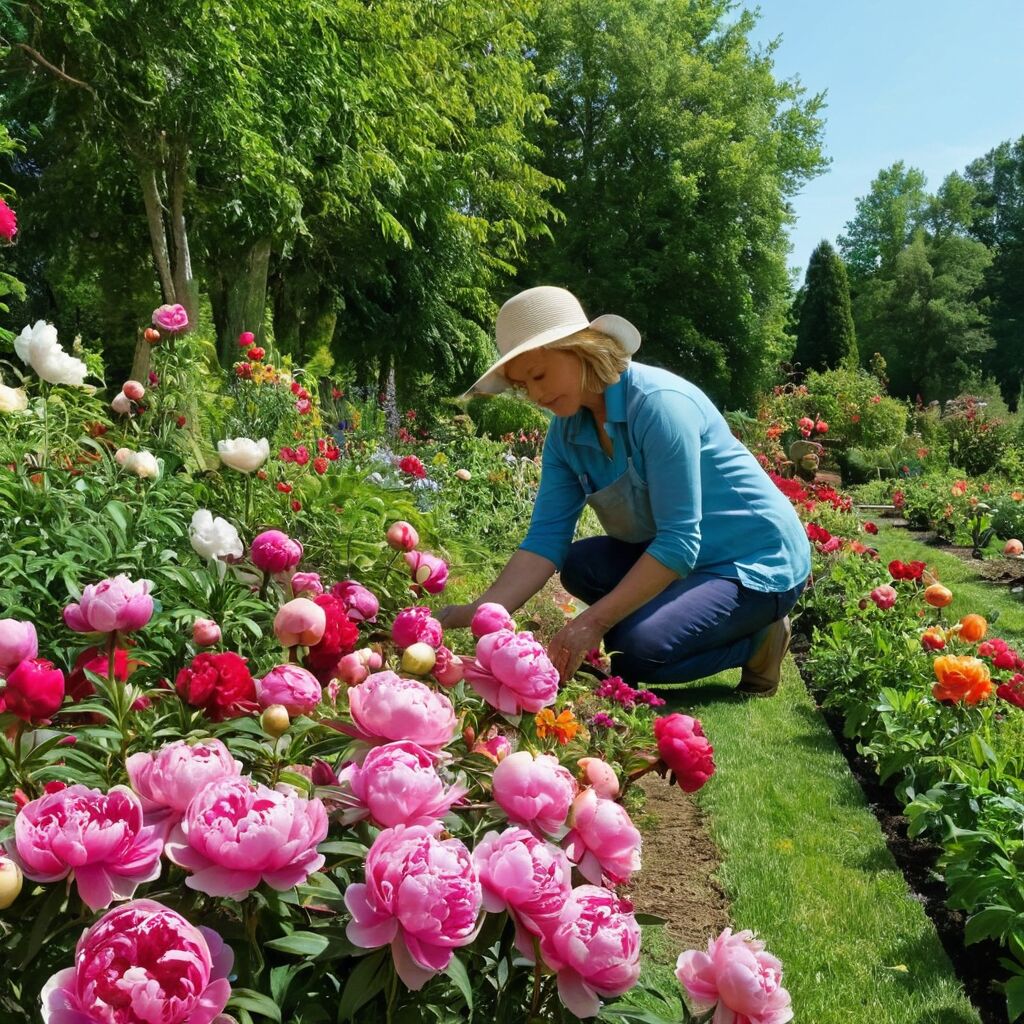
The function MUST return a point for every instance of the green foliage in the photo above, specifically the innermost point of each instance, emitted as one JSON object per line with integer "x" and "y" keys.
{"x": 678, "y": 148}
{"x": 1008, "y": 516}
{"x": 498, "y": 415}
{"x": 974, "y": 439}
{"x": 825, "y": 337}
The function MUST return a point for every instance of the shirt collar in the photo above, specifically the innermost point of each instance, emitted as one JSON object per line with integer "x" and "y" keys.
{"x": 615, "y": 400}
{"x": 581, "y": 426}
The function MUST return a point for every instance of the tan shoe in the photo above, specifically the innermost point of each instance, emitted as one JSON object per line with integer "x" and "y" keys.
{"x": 760, "y": 676}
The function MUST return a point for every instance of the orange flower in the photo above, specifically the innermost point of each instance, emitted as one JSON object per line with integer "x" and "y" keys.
{"x": 1017, "y": 495}
{"x": 933, "y": 638}
{"x": 938, "y": 596}
{"x": 563, "y": 728}
{"x": 973, "y": 628}
{"x": 961, "y": 678}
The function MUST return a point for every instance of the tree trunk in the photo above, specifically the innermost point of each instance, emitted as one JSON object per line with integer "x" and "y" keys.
{"x": 184, "y": 285}
{"x": 239, "y": 296}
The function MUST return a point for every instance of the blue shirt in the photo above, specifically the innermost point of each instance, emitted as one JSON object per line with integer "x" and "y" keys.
{"x": 715, "y": 508}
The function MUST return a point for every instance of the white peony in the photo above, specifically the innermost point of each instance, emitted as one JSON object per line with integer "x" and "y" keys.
{"x": 121, "y": 404}
{"x": 37, "y": 346}
{"x": 243, "y": 454}
{"x": 12, "y": 399}
{"x": 213, "y": 537}
{"x": 143, "y": 464}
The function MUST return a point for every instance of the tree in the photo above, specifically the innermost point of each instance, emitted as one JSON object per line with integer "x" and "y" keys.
{"x": 886, "y": 219}
{"x": 928, "y": 316}
{"x": 678, "y": 149}
{"x": 825, "y": 337}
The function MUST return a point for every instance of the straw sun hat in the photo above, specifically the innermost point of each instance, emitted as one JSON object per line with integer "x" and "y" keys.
{"x": 538, "y": 317}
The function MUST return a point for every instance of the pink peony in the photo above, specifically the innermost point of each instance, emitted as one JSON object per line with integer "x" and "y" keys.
{"x": 421, "y": 895}
{"x": 601, "y": 776}
{"x": 398, "y": 784}
{"x": 739, "y": 976}
{"x": 496, "y": 747}
{"x": 237, "y": 833}
{"x": 429, "y": 571}
{"x": 18, "y": 641}
{"x": 884, "y": 596}
{"x": 274, "y": 551}
{"x": 99, "y": 838}
{"x": 448, "y": 668}
{"x": 291, "y": 686}
{"x": 167, "y": 779}
{"x": 603, "y": 842}
{"x": 512, "y": 673}
{"x": 142, "y": 963}
{"x": 489, "y": 618}
{"x": 360, "y": 604}
{"x": 534, "y": 791}
{"x": 306, "y": 583}
{"x": 387, "y": 707}
{"x": 402, "y": 537}
{"x": 300, "y": 622}
{"x": 133, "y": 389}
{"x": 416, "y": 626}
{"x": 8, "y": 222}
{"x": 171, "y": 318}
{"x": 594, "y": 948}
{"x": 352, "y": 669}
{"x": 205, "y": 633}
{"x": 684, "y": 749}
{"x": 116, "y": 604}
{"x": 526, "y": 876}
{"x": 33, "y": 690}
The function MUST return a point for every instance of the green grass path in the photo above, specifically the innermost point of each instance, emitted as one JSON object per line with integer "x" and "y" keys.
{"x": 806, "y": 866}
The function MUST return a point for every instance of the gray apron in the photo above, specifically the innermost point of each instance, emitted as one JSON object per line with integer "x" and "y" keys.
{"x": 624, "y": 506}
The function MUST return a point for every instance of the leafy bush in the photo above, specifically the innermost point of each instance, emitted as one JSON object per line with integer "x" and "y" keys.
{"x": 498, "y": 415}
{"x": 1008, "y": 516}
{"x": 974, "y": 439}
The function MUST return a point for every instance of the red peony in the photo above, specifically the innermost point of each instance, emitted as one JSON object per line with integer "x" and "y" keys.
{"x": 220, "y": 684}
{"x": 411, "y": 466}
{"x": 340, "y": 638}
{"x": 1013, "y": 691}
{"x": 34, "y": 690}
{"x": 684, "y": 748}
{"x": 95, "y": 660}
{"x": 906, "y": 570}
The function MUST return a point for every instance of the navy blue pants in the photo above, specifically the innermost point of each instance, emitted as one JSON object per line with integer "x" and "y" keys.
{"x": 694, "y": 628}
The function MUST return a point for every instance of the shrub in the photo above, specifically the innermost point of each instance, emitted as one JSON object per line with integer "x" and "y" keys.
{"x": 975, "y": 438}
{"x": 498, "y": 415}
{"x": 1008, "y": 517}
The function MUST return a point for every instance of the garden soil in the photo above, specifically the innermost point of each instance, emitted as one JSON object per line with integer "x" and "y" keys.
{"x": 679, "y": 864}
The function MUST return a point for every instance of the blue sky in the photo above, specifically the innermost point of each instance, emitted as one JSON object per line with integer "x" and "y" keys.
{"x": 934, "y": 83}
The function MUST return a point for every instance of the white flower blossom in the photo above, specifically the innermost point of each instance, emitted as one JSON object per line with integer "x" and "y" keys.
{"x": 37, "y": 346}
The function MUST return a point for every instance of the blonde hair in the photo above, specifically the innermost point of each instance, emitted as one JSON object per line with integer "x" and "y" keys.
{"x": 602, "y": 359}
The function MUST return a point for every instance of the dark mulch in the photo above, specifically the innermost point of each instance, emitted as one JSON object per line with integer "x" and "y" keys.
{"x": 977, "y": 966}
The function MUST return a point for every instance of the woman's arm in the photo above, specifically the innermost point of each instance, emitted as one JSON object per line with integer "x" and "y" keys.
{"x": 645, "y": 580}
{"x": 524, "y": 574}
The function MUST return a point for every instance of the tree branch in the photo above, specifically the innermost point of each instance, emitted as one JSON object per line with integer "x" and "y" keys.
{"x": 53, "y": 69}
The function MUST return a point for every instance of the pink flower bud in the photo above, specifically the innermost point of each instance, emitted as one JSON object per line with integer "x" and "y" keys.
{"x": 352, "y": 670}
{"x": 489, "y": 618}
{"x": 133, "y": 389}
{"x": 429, "y": 571}
{"x": 274, "y": 551}
{"x": 18, "y": 641}
{"x": 601, "y": 776}
{"x": 291, "y": 686}
{"x": 402, "y": 537}
{"x": 300, "y": 621}
{"x": 205, "y": 633}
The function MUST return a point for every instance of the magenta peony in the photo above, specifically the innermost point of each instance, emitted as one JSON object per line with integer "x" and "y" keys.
{"x": 526, "y": 876}
{"x": 8, "y": 222}
{"x": 739, "y": 976}
{"x": 291, "y": 686}
{"x": 274, "y": 551}
{"x": 684, "y": 749}
{"x": 18, "y": 641}
{"x": 603, "y": 842}
{"x": 429, "y": 571}
{"x": 416, "y": 626}
{"x": 421, "y": 895}
{"x": 142, "y": 963}
{"x": 237, "y": 833}
{"x": 300, "y": 622}
{"x": 360, "y": 604}
{"x": 512, "y": 673}
{"x": 99, "y": 838}
{"x": 386, "y": 708}
{"x": 594, "y": 948}
{"x": 534, "y": 791}
{"x": 167, "y": 779}
{"x": 33, "y": 690}
{"x": 489, "y": 618}
{"x": 402, "y": 537}
{"x": 884, "y": 596}
{"x": 171, "y": 318}
{"x": 306, "y": 583}
{"x": 116, "y": 604}
{"x": 398, "y": 784}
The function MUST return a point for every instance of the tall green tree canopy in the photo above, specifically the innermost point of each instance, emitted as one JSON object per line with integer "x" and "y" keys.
{"x": 678, "y": 148}
{"x": 825, "y": 336}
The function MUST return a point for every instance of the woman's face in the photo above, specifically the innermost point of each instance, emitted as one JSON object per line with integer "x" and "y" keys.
{"x": 550, "y": 378}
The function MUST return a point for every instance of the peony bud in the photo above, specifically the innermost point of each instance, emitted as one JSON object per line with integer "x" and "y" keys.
{"x": 134, "y": 390}
{"x": 418, "y": 658}
{"x": 205, "y": 633}
{"x": 152, "y": 335}
{"x": 300, "y": 621}
{"x": 1013, "y": 548}
{"x": 275, "y": 721}
{"x": 463, "y": 475}
{"x": 121, "y": 404}
{"x": 402, "y": 536}
{"x": 10, "y": 882}
{"x": 246, "y": 339}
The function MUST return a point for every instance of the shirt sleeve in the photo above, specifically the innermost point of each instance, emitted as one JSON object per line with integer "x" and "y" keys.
{"x": 560, "y": 500}
{"x": 668, "y": 427}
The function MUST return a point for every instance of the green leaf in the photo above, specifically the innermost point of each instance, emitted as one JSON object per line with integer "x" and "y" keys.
{"x": 456, "y": 970}
{"x": 255, "y": 1002}
{"x": 364, "y": 982}
{"x": 299, "y": 944}
{"x": 1015, "y": 998}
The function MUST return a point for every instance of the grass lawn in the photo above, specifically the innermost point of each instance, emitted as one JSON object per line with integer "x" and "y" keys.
{"x": 806, "y": 867}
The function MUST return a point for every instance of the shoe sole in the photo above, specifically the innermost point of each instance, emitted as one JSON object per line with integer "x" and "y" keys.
{"x": 758, "y": 684}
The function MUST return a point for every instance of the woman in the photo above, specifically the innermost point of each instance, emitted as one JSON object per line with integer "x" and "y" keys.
{"x": 703, "y": 558}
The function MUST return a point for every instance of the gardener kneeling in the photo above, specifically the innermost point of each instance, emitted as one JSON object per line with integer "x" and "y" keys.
{"x": 704, "y": 557}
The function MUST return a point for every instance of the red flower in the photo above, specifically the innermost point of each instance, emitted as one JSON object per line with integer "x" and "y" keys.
{"x": 685, "y": 750}
{"x": 320, "y": 464}
{"x": 34, "y": 690}
{"x": 95, "y": 660}
{"x": 244, "y": 370}
{"x": 906, "y": 570}
{"x": 181, "y": 421}
{"x": 255, "y": 354}
{"x": 412, "y": 466}
{"x": 301, "y": 455}
{"x": 340, "y": 638}
{"x": 220, "y": 684}
{"x": 296, "y": 506}
{"x": 296, "y": 387}
{"x": 816, "y": 533}
{"x": 8, "y": 222}
{"x": 284, "y": 488}
{"x": 870, "y": 528}
{"x": 1013, "y": 691}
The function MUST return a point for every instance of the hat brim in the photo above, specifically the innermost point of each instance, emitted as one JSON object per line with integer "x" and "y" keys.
{"x": 493, "y": 382}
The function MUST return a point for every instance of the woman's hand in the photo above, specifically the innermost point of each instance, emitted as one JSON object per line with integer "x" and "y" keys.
{"x": 456, "y": 616}
{"x": 569, "y": 646}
